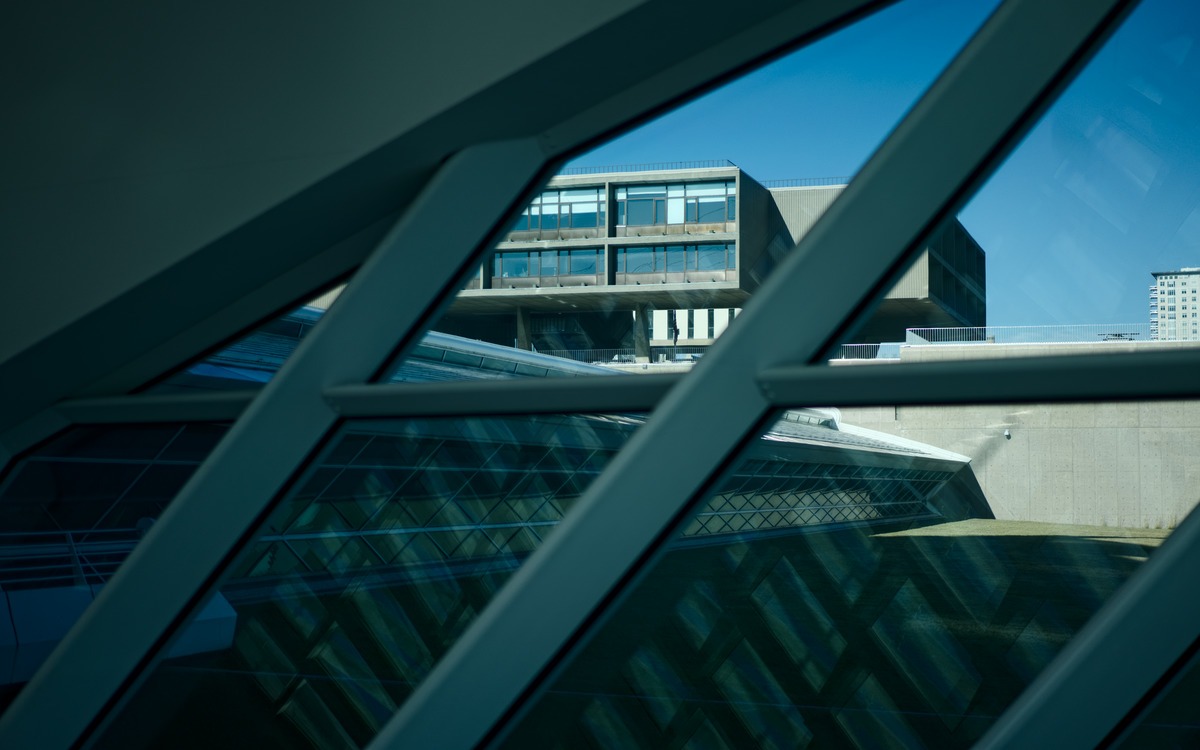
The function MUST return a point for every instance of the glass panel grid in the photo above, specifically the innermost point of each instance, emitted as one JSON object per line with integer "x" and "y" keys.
{"x": 843, "y": 587}
{"x": 368, "y": 571}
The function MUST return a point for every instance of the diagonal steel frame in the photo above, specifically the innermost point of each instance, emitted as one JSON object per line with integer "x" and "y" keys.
{"x": 169, "y": 574}
{"x": 975, "y": 112}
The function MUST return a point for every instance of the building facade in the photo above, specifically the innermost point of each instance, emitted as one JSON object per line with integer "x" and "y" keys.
{"x": 1175, "y": 305}
{"x": 642, "y": 262}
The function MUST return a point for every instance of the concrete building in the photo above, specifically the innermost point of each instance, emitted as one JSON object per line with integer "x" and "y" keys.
{"x": 1175, "y": 306}
{"x": 645, "y": 260}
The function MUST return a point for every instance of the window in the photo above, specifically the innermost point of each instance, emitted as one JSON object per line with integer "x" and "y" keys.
{"x": 576, "y": 208}
{"x": 690, "y": 203}
{"x": 677, "y": 258}
{"x": 532, "y": 264}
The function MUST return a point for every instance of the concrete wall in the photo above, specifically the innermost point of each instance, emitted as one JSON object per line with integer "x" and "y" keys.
{"x": 1123, "y": 464}
{"x": 802, "y": 206}
{"x": 763, "y": 234}
{"x": 1129, "y": 464}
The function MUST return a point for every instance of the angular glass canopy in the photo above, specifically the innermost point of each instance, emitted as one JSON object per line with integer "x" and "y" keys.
{"x": 913, "y": 598}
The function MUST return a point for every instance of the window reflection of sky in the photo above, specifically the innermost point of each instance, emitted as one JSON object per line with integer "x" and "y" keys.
{"x": 1106, "y": 189}
{"x": 1103, "y": 191}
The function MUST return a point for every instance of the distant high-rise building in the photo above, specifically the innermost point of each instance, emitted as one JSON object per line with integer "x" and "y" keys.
{"x": 1175, "y": 305}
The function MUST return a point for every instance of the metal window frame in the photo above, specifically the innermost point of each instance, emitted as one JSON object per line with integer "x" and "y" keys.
{"x": 98, "y": 662}
{"x": 954, "y": 136}
{"x": 107, "y": 653}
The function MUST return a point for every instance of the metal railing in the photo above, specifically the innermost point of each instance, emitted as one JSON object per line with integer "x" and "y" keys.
{"x": 1053, "y": 334}
{"x": 806, "y": 182}
{"x": 628, "y": 356}
{"x": 63, "y": 558}
{"x": 659, "y": 166}
{"x": 593, "y": 356}
{"x": 860, "y": 351}
{"x": 887, "y": 350}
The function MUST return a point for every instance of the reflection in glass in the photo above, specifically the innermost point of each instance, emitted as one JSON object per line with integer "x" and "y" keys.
{"x": 1087, "y": 226}
{"x": 253, "y": 359}
{"x": 366, "y": 572}
{"x": 1171, "y": 721}
{"x": 930, "y": 563}
{"x": 71, "y": 512}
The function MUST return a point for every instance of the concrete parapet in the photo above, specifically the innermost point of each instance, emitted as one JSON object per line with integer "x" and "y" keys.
{"x": 1110, "y": 464}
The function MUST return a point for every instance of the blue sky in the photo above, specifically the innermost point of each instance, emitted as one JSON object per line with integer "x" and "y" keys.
{"x": 1103, "y": 191}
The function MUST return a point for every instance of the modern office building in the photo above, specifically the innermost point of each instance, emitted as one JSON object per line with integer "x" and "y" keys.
{"x": 1175, "y": 306}
{"x": 649, "y": 258}
{"x": 357, "y": 549}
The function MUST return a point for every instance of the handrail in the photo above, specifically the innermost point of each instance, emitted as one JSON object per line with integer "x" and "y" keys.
{"x": 660, "y": 166}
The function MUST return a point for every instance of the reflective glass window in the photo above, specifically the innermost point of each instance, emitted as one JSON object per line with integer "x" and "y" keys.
{"x": 675, "y": 254}
{"x": 514, "y": 264}
{"x": 365, "y": 573}
{"x": 640, "y": 212}
{"x": 638, "y": 259}
{"x": 71, "y": 512}
{"x": 583, "y": 261}
{"x": 1063, "y": 248}
{"x": 876, "y": 577}
{"x": 710, "y": 258}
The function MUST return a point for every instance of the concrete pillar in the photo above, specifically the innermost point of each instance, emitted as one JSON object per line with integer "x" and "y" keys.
{"x": 641, "y": 333}
{"x": 524, "y": 339}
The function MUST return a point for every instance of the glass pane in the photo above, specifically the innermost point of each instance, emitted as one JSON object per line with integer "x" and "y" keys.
{"x": 514, "y": 264}
{"x": 1086, "y": 239}
{"x": 640, "y": 259}
{"x": 842, "y": 95}
{"x": 253, "y": 359}
{"x": 1172, "y": 721}
{"x": 711, "y": 209}
{"x": 584, "y": 215}
{"x": 365, "y": 573}
{"x": 711, "y": 258}
{"x": 675, "y": 258}
{"x": 675, "y": 210}
{"x": 639, "y": 212}
{"x": 71, "y": 511}
{"x": 877, "y": 577}
{"x": 583, "y": 261}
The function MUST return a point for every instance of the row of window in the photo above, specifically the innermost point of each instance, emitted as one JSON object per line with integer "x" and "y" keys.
{"x": 677, "y": 258}
{"x": 637, "y": 205}
{"x": 693, "y": 203}
{"x": 717, "y": 256}
{"x": 525, "y": 264}
{"x": 582, "y": 208}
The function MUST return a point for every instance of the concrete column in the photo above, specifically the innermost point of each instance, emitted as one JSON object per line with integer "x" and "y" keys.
{"x": 524, "y": 340}
{"x": 641, "y": 333}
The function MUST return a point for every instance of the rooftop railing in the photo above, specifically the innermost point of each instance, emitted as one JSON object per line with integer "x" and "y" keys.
{"x": 806, "y": 182}
{"x": 1053, "y": 334}
{"x": 871, "y": 351}
{"x": 659, "y": 166}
